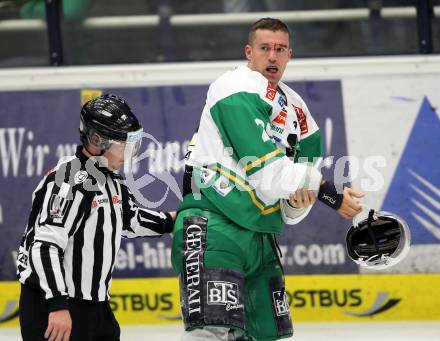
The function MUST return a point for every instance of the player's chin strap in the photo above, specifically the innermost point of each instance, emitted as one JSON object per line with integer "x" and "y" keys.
{"x": 85, "y": 139}
{"x": 100, "y": 154}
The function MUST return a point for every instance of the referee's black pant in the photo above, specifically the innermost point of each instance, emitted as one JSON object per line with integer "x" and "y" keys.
{"x": 91, "y": 321}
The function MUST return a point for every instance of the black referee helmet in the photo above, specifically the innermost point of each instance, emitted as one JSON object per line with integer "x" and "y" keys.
{"x": 111, "y": 118}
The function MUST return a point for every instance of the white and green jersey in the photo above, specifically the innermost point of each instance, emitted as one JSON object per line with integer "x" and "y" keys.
{"x": 240, "y": 163}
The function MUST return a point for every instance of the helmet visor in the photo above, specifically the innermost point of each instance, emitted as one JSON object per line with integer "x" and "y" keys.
{"x": 131, "y": 146}
{"x": 134, "y": 141}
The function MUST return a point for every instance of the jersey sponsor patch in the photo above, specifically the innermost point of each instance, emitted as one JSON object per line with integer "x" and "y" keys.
{"x": 278, "y": 125}
{"x": 223, "y": 293}
{"x": 224, "y": 297}
{"x": 194, "y": 241}
{"x": 100, "y": 201}
{"x": 282, "y": 101}
{"x": 280, "y": 303}
{"x": 116, "y": 199}
{"x": 270, "y": 92}
{"x": 281, "y": 118}
{"x": 302, "y": 119}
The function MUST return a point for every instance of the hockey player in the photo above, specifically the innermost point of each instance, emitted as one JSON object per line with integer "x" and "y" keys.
{"x": 80, "y": 210}
{"x": 244, "y": 181}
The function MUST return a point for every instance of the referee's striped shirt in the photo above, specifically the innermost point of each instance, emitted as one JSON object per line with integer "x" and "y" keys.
{"x": 79, "y": 213}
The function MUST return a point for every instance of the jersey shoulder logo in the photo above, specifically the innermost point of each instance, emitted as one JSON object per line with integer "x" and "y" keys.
{"x": 80, "y": 177}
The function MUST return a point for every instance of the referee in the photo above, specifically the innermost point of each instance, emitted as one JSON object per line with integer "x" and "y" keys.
{"x": 80, "y": 211}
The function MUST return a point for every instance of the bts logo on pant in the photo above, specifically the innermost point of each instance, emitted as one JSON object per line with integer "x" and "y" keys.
{"x": 280, "y": 303}
{"x": 222, "y": 293}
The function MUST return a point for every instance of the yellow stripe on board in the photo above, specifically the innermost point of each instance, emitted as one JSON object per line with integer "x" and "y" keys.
{"x": 357, "y": 298}
{"x": 89, "y": 94}
{"x": 312, "y": 298}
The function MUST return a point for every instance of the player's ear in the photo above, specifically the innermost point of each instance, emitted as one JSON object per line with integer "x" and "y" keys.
{"x": 248, "y": 52}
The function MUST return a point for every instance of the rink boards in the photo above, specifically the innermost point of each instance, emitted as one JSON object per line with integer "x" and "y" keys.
{"x": 324, "y": 298}
{"x": 380, "y": 110}
{"x": 377, "y": 116}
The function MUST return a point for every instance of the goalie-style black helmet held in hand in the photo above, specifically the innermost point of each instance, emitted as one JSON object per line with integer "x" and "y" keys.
{"x": 379, "y": 241}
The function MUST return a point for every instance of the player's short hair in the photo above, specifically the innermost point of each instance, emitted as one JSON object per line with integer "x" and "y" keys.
{"x": 270, "y": 24}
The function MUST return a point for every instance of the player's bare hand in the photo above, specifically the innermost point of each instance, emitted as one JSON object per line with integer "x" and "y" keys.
{"x": 59, "y": 326}
{"x": 350, "y": 206}
{"x": 302, "y": 198}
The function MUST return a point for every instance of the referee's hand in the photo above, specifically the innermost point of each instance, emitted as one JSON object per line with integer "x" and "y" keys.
{"x": 59, "y": 326}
